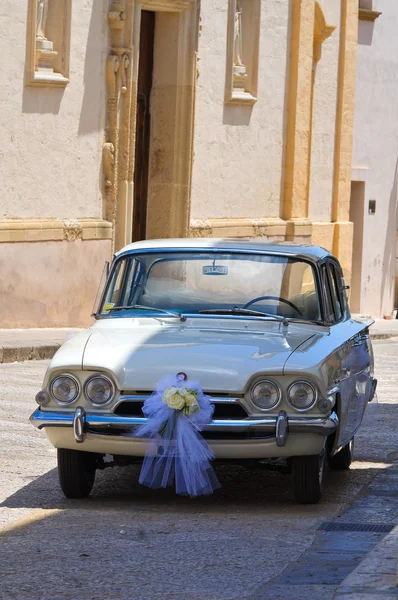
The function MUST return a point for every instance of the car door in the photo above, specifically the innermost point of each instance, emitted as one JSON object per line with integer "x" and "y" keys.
{"x": 355, "y": 381}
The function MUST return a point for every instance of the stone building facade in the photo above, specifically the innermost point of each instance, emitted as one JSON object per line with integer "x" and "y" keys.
{"x": 375, "y": 160}
{"x": 126, "y": 119}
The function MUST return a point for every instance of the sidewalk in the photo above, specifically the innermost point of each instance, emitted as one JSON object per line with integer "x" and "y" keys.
{"x": 375, "y": 578}
{"x": 39, "y": 344}
{"x": 383, "y": 328}
{"x": 31, "y": 344}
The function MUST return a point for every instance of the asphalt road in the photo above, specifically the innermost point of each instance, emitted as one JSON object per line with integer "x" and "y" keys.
{"x": 130, "y": 543}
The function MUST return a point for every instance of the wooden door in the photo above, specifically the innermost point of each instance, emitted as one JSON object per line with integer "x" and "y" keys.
{"x": 145, "y": 74}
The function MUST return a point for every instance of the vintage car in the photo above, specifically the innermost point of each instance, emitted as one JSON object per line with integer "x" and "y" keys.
{"x": 265, "y": 329}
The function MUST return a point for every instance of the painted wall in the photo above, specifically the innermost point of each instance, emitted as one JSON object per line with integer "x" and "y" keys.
{"x": 375, "y": 157}
{"x": 51, "y": 284}
{"x": 324, "y": 118}
{"x": 50, "y": 155}
{"x": 239, "y": 150}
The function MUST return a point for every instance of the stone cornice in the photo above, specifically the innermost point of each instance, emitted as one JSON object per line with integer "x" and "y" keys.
{"x": 54, "y": 230}
{"x": 368, "y": 15}
{"x": 269, "y": 228}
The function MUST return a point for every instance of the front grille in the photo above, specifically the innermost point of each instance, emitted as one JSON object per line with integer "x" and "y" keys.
{"x": 222, "y": 411}
{"x": 129, "y": 409}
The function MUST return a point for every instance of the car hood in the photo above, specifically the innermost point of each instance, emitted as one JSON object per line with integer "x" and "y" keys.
{"x": 221, "y": 357}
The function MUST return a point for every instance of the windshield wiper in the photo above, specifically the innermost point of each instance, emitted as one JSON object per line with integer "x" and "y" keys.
{"x": 244, "y": 311}
{"x": 151, "y": 308}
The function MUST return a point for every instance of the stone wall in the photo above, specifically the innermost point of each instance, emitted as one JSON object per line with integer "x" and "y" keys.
{"x": 375, "y": 157}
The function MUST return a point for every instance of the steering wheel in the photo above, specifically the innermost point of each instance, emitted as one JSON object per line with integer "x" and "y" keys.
{"x": 278, "y": 299}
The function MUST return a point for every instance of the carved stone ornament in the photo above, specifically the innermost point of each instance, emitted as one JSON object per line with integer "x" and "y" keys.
{"x": 73, "y": 230}
{"x": 239, "y": 68}
{"x": 117, "y": 66}
{"x": 108, "y": 161}
{"x": 48, "y": 42}
{"x": 45, "y": 54}
{"x": 243, "y": 43}
{"x": 41, "y": 20}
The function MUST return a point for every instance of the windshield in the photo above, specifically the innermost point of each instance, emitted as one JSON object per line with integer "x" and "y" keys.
{"x": 210, "y": 282}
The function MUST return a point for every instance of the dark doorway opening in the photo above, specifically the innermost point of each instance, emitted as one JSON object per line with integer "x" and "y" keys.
{"x": 143, "y": 125}
{"x": 357, "y": 216}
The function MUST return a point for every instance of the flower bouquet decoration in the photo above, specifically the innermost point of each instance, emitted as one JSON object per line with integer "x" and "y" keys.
{"x": 177, "y": 411}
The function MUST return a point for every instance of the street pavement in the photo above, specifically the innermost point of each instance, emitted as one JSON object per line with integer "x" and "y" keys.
{"x": 249, "y": 541}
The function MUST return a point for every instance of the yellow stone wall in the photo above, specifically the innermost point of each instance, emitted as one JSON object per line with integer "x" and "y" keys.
{"x": 314, "y": 196}
{"x": 272, "y": 161}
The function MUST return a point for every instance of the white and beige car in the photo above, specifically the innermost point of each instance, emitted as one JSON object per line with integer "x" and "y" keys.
{"x": 265, "y": 329}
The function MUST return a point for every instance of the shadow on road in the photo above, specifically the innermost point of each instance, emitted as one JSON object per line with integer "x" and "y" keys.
{"x": 263, "y": 489}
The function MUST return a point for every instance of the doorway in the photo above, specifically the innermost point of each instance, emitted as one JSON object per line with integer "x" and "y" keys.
{"x": 357, "y": 216}
{"x": 143, "y": 125}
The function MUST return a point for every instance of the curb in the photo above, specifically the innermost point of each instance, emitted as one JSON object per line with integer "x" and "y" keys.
{"x": 22, "y": 354}
{"x": 376, "y": 575}
{"x": 384, "y": 336}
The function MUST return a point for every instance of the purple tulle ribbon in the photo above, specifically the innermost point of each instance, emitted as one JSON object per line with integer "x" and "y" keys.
{"x": 176, "y": 451}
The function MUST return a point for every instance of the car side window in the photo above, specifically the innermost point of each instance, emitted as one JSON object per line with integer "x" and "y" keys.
{"x": 336, "y": 292}
{"x": 327, "y": 294}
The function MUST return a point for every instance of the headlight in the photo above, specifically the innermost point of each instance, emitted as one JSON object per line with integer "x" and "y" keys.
{"x": 99, "y": 390}
{"x": 302, "y": 395}
{"x": 64, "y": 389}
{"x": 265, "y": 394}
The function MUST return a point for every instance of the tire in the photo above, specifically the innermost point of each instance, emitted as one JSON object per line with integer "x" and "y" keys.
{"x": 343, "y": 459}
{"x": 76, "y": 472}
{"x": 307, "y": 475}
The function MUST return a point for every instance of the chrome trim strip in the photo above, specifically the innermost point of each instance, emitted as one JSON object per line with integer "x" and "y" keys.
{"x": 333, "y": 391}
{"x": 143, "y": 397}
{"x": 321, "y": 426}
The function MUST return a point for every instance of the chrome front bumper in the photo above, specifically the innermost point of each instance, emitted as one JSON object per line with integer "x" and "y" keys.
{"x": 83, "y": 422}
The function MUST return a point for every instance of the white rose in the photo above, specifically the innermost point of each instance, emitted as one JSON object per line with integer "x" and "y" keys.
{"x": 183, "y": 391}
{"x": 168, "y": 394}
{"x": 176, "y": 402}
{"x": 190, "y": 399}
{"x": 194, "y": 407}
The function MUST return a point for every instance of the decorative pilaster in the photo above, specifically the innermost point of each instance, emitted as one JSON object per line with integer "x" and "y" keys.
{"x": 299, "y": 110}
{"x": 116, "y": 153}
{"x": 345, "y": 110}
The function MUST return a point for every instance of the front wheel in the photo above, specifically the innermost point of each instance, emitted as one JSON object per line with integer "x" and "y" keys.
{"x": 76, "y": 472}
{"x": 343, "y": 459}
{"x": 307, "y": 475}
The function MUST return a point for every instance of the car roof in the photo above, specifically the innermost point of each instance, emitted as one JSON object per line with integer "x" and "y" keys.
{"x": 313, "y": 253}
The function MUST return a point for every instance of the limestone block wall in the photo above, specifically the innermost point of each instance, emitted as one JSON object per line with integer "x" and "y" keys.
{"x": 375, "y": 155}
